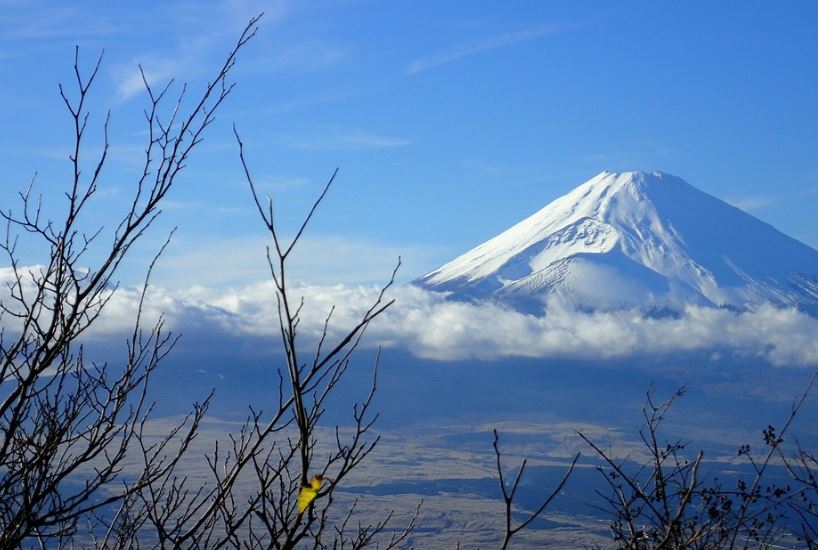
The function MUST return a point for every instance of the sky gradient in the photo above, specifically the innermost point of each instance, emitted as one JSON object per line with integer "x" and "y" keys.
{"x": 449, "y": 121}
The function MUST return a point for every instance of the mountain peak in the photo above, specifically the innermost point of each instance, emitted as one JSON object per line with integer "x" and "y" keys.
{"x": 632, "y": 180}
{"x": 636, "y": 239}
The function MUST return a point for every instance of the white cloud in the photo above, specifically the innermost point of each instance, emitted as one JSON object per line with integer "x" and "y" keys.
{"x": 204, "y": 35}
{"x": 131, "y": 83}
{"x": 160, "y": 69}
{"x": 431, "y": 326}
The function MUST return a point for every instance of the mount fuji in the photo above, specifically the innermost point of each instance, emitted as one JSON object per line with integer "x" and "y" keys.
{"x": 635, "y": 239}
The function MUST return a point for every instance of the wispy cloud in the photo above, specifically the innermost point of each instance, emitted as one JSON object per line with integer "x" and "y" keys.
{"x": 309, "y": 57}
{"x": 275, "y": 184}
{"x": 351, "y": 138}
{"x": 159, "y": 69}
{"x": 752, "y": 202}
{"x": 319, "y": 260}
{"x": 24, "y": 21}
{"x": 477, "y": 47}
{"x": 108, "y": 191}
{"x": 202, "y": 32}
{"x": 131, "y": 81}
{"x": 233, "y": 211}
{"x": 181, "y": 205}
{"x": 485, "y": 168}
{"x": 311, "y": 101}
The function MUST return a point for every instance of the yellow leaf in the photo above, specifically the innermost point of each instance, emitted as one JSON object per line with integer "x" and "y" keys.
{"x": 308, "y": 493}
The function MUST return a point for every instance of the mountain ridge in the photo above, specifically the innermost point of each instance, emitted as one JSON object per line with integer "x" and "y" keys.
{"x": 648, "y": 240}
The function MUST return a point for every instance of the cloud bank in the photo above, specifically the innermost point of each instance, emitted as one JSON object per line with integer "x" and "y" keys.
{"x": 430, "y": 326}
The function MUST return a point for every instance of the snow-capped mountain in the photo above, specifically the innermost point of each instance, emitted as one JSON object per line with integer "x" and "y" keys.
{"x": 646, "y": 240}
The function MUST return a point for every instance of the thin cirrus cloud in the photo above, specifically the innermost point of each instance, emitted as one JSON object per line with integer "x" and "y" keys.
{"x": 346, "y": 139}
{"x": 48, "y": 21}
{"x": 477, "y": 47}
{"x": 753, "y": 202}
{"x": 193, "y": 57}
{"x": 309, "y": 57}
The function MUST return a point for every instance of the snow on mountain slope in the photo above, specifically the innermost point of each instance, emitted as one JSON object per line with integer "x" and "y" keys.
{"x": 637, "y": 239}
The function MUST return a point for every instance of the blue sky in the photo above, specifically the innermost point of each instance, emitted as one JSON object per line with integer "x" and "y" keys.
{"x": 449, "y": 121}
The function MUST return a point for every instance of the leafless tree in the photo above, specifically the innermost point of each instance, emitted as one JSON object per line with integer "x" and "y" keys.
{"x": 803, "y": 469}
{"x": 666, "y": 502}
{"x": 67, "y": 424}
{"x": 508, "y": 494}
{"x": 274, "y": 482}
{"x": 285, "y": 466}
